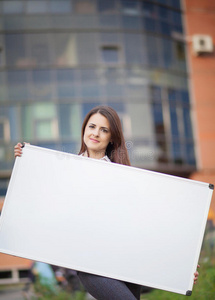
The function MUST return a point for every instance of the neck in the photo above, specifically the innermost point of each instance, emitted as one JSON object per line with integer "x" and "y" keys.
{"x": 95, "y": 154}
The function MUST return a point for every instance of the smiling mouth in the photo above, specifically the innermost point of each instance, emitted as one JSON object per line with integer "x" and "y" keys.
{"x": 95, "y": 141}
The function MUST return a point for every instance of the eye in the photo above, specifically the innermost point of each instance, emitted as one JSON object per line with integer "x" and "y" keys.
{"x": 91, "y": 126}
{"x": 104, "y": 130}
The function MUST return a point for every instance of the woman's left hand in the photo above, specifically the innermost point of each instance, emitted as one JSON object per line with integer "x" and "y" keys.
{"x": 196, "y": 275}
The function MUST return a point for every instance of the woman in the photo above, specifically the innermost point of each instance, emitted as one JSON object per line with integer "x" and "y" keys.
{"x": 102, "y": 138}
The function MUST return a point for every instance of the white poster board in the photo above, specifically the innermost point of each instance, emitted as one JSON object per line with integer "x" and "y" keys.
{"x": 104, "y": 218}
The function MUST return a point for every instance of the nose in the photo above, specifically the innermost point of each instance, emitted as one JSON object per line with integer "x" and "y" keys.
{"x": 96, "y": 132}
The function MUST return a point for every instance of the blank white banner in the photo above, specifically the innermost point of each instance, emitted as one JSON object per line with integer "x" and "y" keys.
{"x": 104, "y": 218}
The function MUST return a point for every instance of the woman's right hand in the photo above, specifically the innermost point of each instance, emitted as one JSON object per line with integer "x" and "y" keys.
{"x": 18, "y": 149}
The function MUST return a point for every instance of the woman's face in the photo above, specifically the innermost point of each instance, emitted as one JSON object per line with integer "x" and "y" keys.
{"x": 97, "y": 134}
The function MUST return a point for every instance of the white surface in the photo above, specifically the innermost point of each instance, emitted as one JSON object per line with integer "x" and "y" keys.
{"x": 103, "y": 218}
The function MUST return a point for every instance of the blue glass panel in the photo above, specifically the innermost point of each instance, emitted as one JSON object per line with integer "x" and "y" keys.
{"x": 175, "y": 3}
{"x": 90, "y": 91}
{"x": 174, "y": 95}
{"x": 114, "y": 90}
{"x": 13, "y": 7}
{"x": 176, "y": 152}
{"x": 67, "y": 75}
{"x": 163, "y": 13}
{"x": 176, "y": 18}
{"x": 190, "y": 154}
{"x": 149, "y": 9}
{"x": 150, "y": 25}
{"x": 158, "y": 114}
{"x": 185, "y": 97}
{"x": 60, "y": 6}
{"x": 187, "y": 123}
{"x": 153, "y": 50}
{"x": 110, "y": 54}
{"x": 86, "y": 107}
{"x": 174, "y": 121}
{"x": 130, "y": 7}
{"x": 106, "y": 6}
{"x": 130, "y": 22}
{"x": 15, "y": 49}
{"x": 41, "y": 86}
{"x": 134, "y": 54}
{"x": 64, "y": 120}
{"x": 66, "y": 87}
{"x": 37, "y": 6}
{"x": 17, "y": 85}
{"x": 156, "y": 94}
{"x": 165, "y": 28}
{"x": 167, "y": 53}
{"x": 119, "y": 107}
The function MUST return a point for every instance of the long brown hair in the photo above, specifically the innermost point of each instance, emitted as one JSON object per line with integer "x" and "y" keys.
{"x": 116, "y": 149}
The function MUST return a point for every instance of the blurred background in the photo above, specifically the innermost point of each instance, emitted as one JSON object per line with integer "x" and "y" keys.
{"x": 152, "y": 61}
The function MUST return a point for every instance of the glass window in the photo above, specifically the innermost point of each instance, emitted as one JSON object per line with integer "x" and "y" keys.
{"x": 13, "y": 7}
{"x": 39, "y": 121}
{"x": 87, "y": 48}
{"x": 39, "y": 49}
{"x": 85, "y": 6}
{"x": 167, "y": 53}
{"x": 70, "y": 121}
{"x": 187, "y": 123}
{"x": 17, "y": 82}
{"x": 190, "y": 153}
{"x": 131, "y": 22}
{"x": 150, "y": 25}
{"x": 110, "y": 54}
{"x": 65, "y": 49}
{"x": 165, "y": 28}
{"x": 44, "y": 129}
{"x": 66, "y": 83}
{"x": 134, "y": 54}
{"x": 130, "y": 7}
{"x": 160, "y": 135}
{"x": 109, "y": 21}
{"x": 60, "y": 6}
{"x": 41, "y": 86}
{"x": 149, "y": 9}
{"x": 107, "y": 6}
{"x": 163, "y": 13}
{"x": 153, "y": 50}
{"x": 86, "y": 107}
{"x": 37, "y": 6}
{"x": 15, "y": 51}
{"x": 142, "y": 123}
{"x": 176, "y": 18}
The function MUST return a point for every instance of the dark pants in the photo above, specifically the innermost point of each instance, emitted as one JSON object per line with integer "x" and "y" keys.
{"x": 103, "y": 288}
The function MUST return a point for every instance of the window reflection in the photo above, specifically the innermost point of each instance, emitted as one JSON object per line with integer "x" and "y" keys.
{"x": 17, "y": 82}
{"x": 60, "y": 6}
{"x": 13, "y": 7}
{"x": 15, "y": 56}
{"x": 37, "y": 6}
{"x": 85, "y": 6}
{"x": 65, "y": 49}
{"x": 110, "y": 54}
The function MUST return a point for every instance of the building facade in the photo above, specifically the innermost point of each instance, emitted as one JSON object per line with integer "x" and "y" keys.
{"x": 60, "y": 58}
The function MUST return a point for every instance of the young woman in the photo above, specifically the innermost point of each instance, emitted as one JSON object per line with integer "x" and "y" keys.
{"x": 102, "y": 138}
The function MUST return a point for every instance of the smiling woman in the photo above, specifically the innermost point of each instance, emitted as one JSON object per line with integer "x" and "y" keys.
{"x": 102, "y": 135}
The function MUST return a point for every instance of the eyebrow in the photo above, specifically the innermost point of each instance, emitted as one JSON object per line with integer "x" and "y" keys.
{"x": 101, "y": 127}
